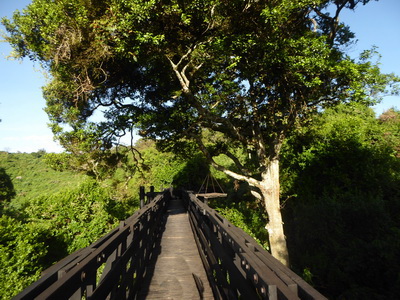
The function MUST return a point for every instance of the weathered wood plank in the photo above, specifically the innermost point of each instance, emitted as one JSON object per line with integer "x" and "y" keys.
{"x": 175, "y": 271}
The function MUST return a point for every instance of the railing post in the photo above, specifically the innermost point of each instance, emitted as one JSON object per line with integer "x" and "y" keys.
{"x": 150, "y": 195}
{"x": 142, "y": 196}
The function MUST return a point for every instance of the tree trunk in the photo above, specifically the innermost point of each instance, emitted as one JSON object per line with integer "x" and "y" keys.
{"x": 267, "y": 190}
{"x": 270, "y": 189}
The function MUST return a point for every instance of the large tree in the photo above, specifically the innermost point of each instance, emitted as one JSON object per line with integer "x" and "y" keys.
{"x": 246, "y": 71}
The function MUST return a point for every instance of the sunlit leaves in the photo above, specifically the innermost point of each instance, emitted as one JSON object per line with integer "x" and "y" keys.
{"x": 21, "y": 247}
{"x": 52, "y": 227}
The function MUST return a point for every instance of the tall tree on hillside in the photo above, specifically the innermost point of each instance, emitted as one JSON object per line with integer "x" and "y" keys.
{"x": 248, "y": 70}
{"x": 7, "y": 191}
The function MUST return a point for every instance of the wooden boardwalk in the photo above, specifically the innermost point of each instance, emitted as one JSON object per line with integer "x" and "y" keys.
{"x": 172, "y": 273}
{"x": 153, "y": 255}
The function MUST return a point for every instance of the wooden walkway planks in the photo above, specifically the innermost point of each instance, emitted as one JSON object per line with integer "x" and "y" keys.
{"x": 172, "y": 273}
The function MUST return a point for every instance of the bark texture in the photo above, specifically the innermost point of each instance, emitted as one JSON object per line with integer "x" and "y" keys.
{"x": 270, "y": 190}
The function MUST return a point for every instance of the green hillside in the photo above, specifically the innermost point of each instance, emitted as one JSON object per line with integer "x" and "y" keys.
{"x": 47, "y": 214}
{"x": 32, "y": 177}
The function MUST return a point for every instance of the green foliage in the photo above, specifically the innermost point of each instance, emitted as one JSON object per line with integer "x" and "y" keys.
{"x": 52, "y": 214}
{"x": 80, "y": 216}
{"x": 245, "y": 216}
{"x": 55, "y": 213}
{"x": 391, "y": 121}
{"x": 22, "y": 251}
{"x": 341, "y": 179}
{"x": 175, "y": 68}
{"x": 159, "y": 169}
{"x": 193, "y": 173}
{"x": 50, "y": 227}
{"x": 31, "y": 176}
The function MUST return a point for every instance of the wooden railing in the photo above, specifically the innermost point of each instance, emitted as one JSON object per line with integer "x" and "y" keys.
{"x": 111, "y": 268}
{"x": 114, "y": 267}
{"x": 237, "y": 267}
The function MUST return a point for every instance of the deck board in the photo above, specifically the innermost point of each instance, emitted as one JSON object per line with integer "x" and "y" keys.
{"x": 171, "y": 273}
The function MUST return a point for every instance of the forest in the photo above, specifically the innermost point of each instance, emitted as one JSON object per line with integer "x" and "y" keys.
{"x": 262, "y": 94}
{"x": 340, "y": 202}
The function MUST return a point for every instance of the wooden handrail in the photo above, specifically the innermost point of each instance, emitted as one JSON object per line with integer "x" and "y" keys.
{"x": 115, "y": 266}
{"x": 112, "y": 267}
{"x": 237, "y": 266}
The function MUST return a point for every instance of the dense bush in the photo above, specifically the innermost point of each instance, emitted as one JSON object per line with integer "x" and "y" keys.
{"x": 23, "y": 250}
{"x": 47, "y": 228}
{"x": 245, "y": 215}
{"x": 341, "y": 176}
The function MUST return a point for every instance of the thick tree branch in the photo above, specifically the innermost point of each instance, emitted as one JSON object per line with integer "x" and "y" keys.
{"x": 237, "y": 163}
{"x": 334, "y": 21}
{"x": 256, "y": 194}
{"x": 251, "y": 181}
{"x": 182, "y": 80}
{"x": 223, "y": 125}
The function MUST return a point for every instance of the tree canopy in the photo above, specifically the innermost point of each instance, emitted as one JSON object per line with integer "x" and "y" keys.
{"x": 172, "y": 67}
{"x": 7, "y": 191}
{"x": 245, "y": 71}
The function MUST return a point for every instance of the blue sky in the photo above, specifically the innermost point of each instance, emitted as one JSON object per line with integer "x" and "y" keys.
{"x": 24, "y": 123}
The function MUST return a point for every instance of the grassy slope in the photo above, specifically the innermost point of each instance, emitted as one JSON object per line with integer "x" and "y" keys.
{"x": 31, "y": 176}
{"x": 37, "y": 231}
